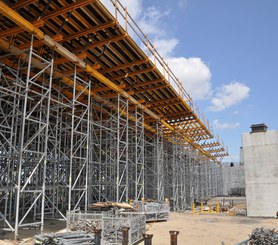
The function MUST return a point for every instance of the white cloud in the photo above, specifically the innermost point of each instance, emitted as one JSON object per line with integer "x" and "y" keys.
{"x": 134, "y": 7}
{"x": 165, "y": 47}
{"x": 229, "y": 95}
{"x": 194, "y": 75}
{"x": 219, "y": 125}
{"x": 151, "y": 23}
{"x": 192, "y": 72}
{"x": 149, "y": 19}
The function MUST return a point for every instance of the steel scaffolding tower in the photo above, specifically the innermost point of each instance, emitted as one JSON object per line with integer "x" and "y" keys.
{"x": 136, "y": 143}
{"x": 103, "y": 147}
{"x": 79, "y": 145}
{"x": 112, "y": 128}
{"x": 154, "y": 165}
{"x": 122, "y": 190}
{"x": 76, "y": 151}
{"x": 28, "y": 139}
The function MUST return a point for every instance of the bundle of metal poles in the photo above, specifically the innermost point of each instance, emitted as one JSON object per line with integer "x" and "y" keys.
{"x": 68, "y": 238}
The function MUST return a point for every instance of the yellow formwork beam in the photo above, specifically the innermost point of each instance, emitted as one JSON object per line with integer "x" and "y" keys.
{"x": 26, "y": 25}
{"x": 20, "y": 21}
{"x": 9, "y": 48}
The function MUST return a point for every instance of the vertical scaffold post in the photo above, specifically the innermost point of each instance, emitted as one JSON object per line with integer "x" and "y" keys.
{"x": 139, "y": 155}
{"x": 79, "y": 144}
{"x": 174, "y": 237}
{"x": 97, "y": 233}
{"x": 159, "y": 163}
{"x": 33, "y": 142}
{"x": 147, "y": 239}
{"x": 122, "y": 192}
{"x": 125, "y": 231}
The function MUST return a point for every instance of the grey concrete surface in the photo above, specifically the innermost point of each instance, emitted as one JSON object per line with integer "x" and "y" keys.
{"x": 233, "y": 177}
{"x": 260, "y": 156}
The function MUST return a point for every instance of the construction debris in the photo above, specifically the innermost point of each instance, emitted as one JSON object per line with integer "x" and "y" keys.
{"x": 111, "y": 223}
{"x": 264, "y": 236}
{"x": 154, "y": 211}
{"x": 68, "y": 238}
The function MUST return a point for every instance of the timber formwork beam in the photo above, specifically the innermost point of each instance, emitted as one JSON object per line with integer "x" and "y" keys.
{"x": 5, "y": 45}
{"x": 40, "y": 35}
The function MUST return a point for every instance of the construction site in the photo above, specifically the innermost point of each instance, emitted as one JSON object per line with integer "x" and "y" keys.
{"x": 98, "y": 136}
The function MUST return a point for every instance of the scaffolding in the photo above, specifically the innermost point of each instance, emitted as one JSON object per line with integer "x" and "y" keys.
{"x": 112, "y": 128}
{"x": 85, "y": 158}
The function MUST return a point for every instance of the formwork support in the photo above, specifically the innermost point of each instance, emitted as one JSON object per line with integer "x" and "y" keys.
{"x": 79, "y": 146}
{"x": 103, "y": 155}
{"x": 122, "y": 191}
{"x": 136, "y": 155}
{"x": 39, "y": 34}
{"x": 32, "y": 144}
{"x": 58, "y": 157}
{"x": 175, "y": 175}
{"x": 61, "y": 151}
{"x": 160, "y": 164}
{"x": 9, "y": 119}
{"x": 154, "y": 165}
{"x": 139, "y": 157}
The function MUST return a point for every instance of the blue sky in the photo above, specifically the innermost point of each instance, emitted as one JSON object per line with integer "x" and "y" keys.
{"x": 227, "y": 48}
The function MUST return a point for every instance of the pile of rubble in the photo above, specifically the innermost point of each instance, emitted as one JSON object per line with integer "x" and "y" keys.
{"x": 264, "y": 236}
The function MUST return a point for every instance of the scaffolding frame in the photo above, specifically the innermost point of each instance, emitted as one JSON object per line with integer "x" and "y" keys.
{"x": 92, "y": 153}
{"x": 67, "y": 141}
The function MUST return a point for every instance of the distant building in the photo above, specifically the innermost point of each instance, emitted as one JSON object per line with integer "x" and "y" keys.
{"x": 260, "y": 157}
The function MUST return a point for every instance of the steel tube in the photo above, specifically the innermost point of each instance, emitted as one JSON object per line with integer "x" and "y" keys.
{"x": 97, "y": 236}
{"x": 174, "y": 237}
{"x": 147, "y": 239}
{"x": 125, "y": 235}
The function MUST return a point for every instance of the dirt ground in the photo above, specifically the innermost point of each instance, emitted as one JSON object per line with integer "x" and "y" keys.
{"x": 26, "y": 235}
{"x": 195, "y": 229}
{"x": 207, "y": 229}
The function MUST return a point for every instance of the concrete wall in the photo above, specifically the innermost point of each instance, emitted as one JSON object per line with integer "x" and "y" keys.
{"x": 233, "y": 177}
{"x": 260, "y": 156}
